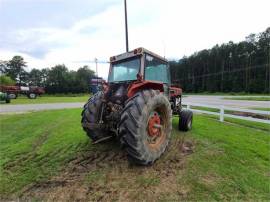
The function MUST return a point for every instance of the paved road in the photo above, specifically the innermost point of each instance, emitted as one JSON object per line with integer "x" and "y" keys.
{"x": 5, "y": 108}
{"x": 210, "y": 100}
{"x": 217, "y": 100}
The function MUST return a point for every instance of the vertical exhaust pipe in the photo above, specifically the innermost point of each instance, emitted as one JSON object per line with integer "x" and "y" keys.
{"x": 126, "y": 25}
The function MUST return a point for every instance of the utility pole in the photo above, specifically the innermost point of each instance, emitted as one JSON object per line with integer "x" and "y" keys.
{"x": 246, "y": 77}
{"x": 126, "y": 25}
{"x": 267, "y": 76}
{"x": 96, "y": 61}
{"x": 222, "y": 71}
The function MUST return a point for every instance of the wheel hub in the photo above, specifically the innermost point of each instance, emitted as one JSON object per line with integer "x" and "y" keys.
{"x": 154, "y": 126}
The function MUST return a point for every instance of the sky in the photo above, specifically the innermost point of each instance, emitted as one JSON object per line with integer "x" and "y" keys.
{"x": 50, "y": 32}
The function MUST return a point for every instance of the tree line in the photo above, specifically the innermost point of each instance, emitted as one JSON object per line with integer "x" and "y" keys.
{"x": 230, "y": 67}
{"x": 57, "y": 79}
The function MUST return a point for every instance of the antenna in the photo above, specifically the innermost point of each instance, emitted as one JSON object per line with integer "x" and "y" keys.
{"x": 126, "y": 25}
{"x": 164, "y": 48}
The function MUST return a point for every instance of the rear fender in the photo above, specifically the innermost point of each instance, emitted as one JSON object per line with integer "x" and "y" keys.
{"x": 141, "y": 85}
{"x": 175, "y": 92}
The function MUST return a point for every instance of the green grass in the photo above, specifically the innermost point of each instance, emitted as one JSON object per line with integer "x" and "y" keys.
{"x": 49, "y": 99}
{"x": 66, "y": 95}
{"x": 233, "y": 160}
{"x": 248, "y": 98}
{"x": 233, "y": 120}
{"x": 37, "y": 147}
{"x": 261, "y": 108}
{"x": 210, "y": 109}
{"x": 239, "y": 122}
{"x": 205, "y": 108}
{"x": 227, "y": 111}
{"x": 229, "y": 162}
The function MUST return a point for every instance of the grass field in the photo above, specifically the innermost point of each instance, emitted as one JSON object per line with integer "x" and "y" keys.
{"x": 248, "y": 98}
{"x": 261, "y": 108}
{"x": 47, "y": 156}
{"x": 49, "y": 99}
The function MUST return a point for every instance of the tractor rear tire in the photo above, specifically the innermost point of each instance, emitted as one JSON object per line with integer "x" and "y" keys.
{"x": 145, "y": 126}
{"x": 185, "y": 120}
{"x": 90, "y": 114}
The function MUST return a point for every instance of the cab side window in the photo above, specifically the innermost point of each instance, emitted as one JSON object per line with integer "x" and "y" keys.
{"x": 155, "y": 69}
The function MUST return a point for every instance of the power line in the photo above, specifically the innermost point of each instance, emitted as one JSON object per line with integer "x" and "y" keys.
{"x": 91, "y": 61}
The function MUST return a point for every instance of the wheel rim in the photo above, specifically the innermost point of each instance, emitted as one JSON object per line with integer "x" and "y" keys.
{"x": 156, "y": 129}
{"x": 12, "y": 96}
{"x": 189, "y": 124}
{"x": 154, "y": 125}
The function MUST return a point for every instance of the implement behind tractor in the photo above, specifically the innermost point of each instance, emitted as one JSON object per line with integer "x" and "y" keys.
{"x": 136, "y": 106}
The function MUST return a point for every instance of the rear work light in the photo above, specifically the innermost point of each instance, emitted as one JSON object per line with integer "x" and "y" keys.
{"x": 137, "y": 51}
{"x": 112, "y": 59}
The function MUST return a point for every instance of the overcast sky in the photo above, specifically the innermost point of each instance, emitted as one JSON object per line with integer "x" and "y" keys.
{"x": 50, "y": 32}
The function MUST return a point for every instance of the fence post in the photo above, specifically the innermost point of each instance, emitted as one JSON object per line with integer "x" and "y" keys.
{"x": 188, "y": 106}
{"x": 221, "y": 117}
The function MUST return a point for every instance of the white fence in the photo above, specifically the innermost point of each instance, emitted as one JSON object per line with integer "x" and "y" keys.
{"x": 222, "y": 112}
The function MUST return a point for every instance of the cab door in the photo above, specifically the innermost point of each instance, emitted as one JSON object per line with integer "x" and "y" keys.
{"x": 157, "y": 70}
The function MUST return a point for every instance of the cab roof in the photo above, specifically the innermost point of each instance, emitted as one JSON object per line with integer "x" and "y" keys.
{"x": 135, "y": 52}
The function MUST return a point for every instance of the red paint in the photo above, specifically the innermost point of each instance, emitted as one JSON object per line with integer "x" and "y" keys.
{"x": 174, "y": 91}
{"x": 17, "y": 90}
{"x": 140, "y": 85}
{"x": 152, "y": 129}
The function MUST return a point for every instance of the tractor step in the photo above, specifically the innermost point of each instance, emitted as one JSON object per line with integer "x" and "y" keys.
{"x": 102, "y": 139}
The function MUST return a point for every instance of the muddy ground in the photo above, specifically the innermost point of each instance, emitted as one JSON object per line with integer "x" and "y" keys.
{"x": 107, "y": 176}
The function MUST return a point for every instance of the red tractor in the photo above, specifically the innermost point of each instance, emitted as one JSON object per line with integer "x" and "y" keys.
{"x": 31, "y": 92}
{"x": 136, "y": 106}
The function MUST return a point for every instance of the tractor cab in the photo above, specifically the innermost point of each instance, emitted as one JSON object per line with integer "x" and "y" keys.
{"x": 140, "y": 65}
{"x": 150, "y": 66}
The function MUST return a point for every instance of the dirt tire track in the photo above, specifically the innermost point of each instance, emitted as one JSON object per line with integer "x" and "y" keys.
{"x": 24, "y": 158}
{"x": 72, "y": 176}
{"x": 71, "y": 181}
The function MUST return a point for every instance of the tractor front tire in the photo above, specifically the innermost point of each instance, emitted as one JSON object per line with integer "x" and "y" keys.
{"x": 91, "y": 114}
{"x": 145, "y": 126}
{"x": 185, "y": 120}
{"x": 32, "y": 95}
{"x": 12, "y": 95}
